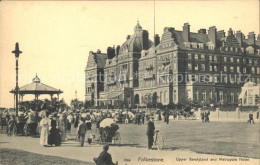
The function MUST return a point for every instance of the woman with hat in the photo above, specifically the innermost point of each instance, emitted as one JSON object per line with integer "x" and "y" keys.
{"x": 44, "y": 124}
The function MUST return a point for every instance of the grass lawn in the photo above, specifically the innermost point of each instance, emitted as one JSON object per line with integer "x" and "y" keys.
{"x": 12, "y": 156}
{"x": 221, "y": 138}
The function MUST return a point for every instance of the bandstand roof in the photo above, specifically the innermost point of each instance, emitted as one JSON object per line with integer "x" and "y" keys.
{"x": 36, "y": 87}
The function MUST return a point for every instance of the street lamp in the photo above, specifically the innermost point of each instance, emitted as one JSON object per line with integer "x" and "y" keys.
{"x": 16, "y": 52}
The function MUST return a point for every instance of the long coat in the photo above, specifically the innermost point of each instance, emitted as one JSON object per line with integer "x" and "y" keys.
{"x": 44, "y": 124}
{"x": 150, "y": 128}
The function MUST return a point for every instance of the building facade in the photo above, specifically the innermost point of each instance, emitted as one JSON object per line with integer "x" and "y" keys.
{"x": 206, "y": 67}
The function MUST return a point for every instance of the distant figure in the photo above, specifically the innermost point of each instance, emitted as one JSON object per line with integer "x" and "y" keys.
{"x": 251, "y": 119}
{"x": 150, "y": 132}
{"x": 44, "y": 124}
{"x": 202, "y": 115}
{"x": 104, "y": 157}
{"x": 82, "y": 129}
{"x": 54, "y": 136}
{"x": 206, "y": 116}
{"x": 167, "y": 115}
{"x": 11, "y": 126}
{"x": 257, "y": 114}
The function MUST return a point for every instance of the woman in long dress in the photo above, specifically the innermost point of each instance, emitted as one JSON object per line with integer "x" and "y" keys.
{"x": 44, "y": 124}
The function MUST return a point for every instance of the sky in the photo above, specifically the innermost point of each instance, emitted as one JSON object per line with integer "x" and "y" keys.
{"x": 56, "y": 36}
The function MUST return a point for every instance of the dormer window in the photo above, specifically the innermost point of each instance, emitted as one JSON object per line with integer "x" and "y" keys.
{"x": 187, "y": 44}
{"x": 201, "y": 46}
{"x": 226, "y": 49}
{"x": 194, "y": 45}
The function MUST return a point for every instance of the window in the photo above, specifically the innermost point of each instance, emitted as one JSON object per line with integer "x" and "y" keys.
{"x": 197, "y": 94}
{"x": 238, "y": 60}
{"x": 225, "y": 79}
{"x": 202, "y": 67}
{"x": 210, "y": 68}
{"x": 202, "y": 56}
{"x": 216, "y": 79}
{"x": 231, "y": 69}
{"x": 253, "y": 70}
{"x": 189, "y": 56}
{"x": 211, "y": 95}
{"x": 232, "y": 79}
{"x": 201, "y": 46}
{"x": 215, "y": 68}
{"x": 244, "y": 61}
{"x": 232, "y": 97}
{"x": 196, "y": 56}
{"x": 225, "y": 59}
{"x": 231, "y": 60}
{"x": 238, "y": 69}
{"x": 210, "y": 58}
{"x": 189, "y": 66}
{"x": 244, "y": 70}
{"x": 250, "y": 61}
{"x": 124, "y": 66}
{"x": 203, "y": 95}
{"x": 225, "y": 69}
{"x": 215, "y": 59}
{"x": 196, "y": 67}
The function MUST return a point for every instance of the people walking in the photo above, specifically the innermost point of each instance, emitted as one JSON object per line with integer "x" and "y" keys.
{"x": 251, "y": 118}
{"x": 82, "y": 129}
{"x": 150, "y": 132}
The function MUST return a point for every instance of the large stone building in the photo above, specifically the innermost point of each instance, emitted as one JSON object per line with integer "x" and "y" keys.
{"x": 207, "y": 66}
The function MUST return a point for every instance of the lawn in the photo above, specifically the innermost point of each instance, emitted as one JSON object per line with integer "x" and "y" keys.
{"x": 12, "y": 156}
{"x": 221, "y": 138}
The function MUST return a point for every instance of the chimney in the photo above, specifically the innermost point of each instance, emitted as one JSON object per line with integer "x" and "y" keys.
{"x": 110, "y": 53}
{"x": 98, "y": 51}
{"x": 145, "y": 36}
{"x": 156, "y": 40}
{"x": 251, "y": 38}
{"x": 239, "y": 37}
{"x": 117, "y": 50}
{"x": 212, "y": 34}
{"x": 230, "y": 32}
{"x": 202, "y": 31}
{"x": 186, "y": 32}
{"x": 220, "y": 34}
{"x": 127, "y": 37}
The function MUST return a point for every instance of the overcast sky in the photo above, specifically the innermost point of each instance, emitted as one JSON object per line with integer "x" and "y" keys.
{"x": 56, "y": 37}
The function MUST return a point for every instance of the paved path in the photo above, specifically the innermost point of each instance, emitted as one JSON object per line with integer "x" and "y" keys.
{"x": 124, "y": 155}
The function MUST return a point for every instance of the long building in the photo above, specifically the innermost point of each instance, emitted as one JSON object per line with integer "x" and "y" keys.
{"x": 208, "y": 66}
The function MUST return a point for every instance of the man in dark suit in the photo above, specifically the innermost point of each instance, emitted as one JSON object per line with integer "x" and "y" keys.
{"x": 150, "y": 132}
{"x": 104, "y": 157}
{"x": 82, "y": 129}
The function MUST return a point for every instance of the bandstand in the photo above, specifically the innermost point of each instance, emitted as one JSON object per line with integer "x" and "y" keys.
{"x": 36, "y": 88}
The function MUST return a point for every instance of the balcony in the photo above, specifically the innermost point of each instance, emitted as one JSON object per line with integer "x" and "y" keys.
{"x": 110, "y": 83}
{"x": 166, "y": 62}
{"x": 149, "y": 67}
{"x": 149, "y": 77}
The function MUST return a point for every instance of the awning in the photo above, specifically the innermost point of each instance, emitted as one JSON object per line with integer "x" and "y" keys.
{"x": 114, "y": 95}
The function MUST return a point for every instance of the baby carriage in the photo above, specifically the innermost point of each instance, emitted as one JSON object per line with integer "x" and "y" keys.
{"x": 108, "y": 131}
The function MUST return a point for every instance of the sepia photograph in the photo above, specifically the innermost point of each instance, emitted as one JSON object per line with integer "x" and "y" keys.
{"x": 148, "y": 82}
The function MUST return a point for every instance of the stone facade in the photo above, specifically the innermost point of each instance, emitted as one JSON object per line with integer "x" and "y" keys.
{"x": 207, "y": 67}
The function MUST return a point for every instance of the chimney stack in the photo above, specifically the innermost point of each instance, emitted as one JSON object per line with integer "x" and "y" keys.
{"x": 220, "y": 34}
{"x": 230, "y": 32}
{"x": 98, "y": 51}
{"x": 110, "y": 52}
{"x": 127, "y": 37}
{"x": 145, "y": 36}
{"x": 186, "y": 32}
{"x": 202, "y": 31}
{"x": 212, "y": 34}
{"x": 117, "y": 50}
{"x": 251, "y": 38}
{"x": 239, "y": 37}
{"x": 156, "y": 40}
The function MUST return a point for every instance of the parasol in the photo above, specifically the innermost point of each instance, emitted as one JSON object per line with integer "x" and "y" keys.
{"x": 106, "y": 122}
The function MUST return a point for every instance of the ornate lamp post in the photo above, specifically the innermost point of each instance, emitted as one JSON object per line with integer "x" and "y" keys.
{"x": 16, "y": 52}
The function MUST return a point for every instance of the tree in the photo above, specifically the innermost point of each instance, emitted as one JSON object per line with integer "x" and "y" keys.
{"x": 76, "y": 103}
